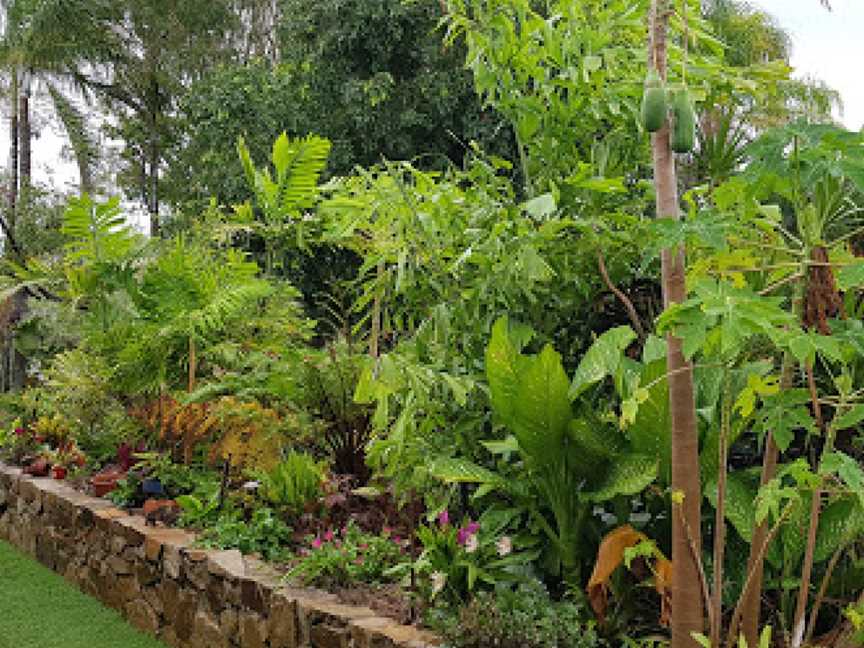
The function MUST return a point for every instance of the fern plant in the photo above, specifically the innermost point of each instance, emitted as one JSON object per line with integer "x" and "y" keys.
{"x": 294, "y": 483}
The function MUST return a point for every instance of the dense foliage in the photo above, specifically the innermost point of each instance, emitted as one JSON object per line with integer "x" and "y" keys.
{"x": 405, "y": 323}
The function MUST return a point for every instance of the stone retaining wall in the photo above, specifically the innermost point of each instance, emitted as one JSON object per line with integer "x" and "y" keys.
{"x": 187, "y": 597}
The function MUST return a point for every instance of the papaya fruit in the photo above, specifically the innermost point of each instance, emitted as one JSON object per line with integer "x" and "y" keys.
{"x": 654, "y": 107}
{"x": 683, "y": 122}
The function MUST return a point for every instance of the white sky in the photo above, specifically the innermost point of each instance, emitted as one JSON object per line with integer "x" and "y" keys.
{"x": 826, "y": 45}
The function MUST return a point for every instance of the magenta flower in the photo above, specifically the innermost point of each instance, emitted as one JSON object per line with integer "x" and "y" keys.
{"x": 316, "y": 543}
{"x": 444, "y": 518}
{"x": 466, "y": 532}
{"x": 329, "y": 535}
{"x": 19, "y": 431}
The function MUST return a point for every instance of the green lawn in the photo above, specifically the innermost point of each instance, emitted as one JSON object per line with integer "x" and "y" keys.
{"x": 38, "y": 609}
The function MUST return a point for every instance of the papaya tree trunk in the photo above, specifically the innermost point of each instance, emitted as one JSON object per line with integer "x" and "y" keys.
{"x": 687, "y": 604}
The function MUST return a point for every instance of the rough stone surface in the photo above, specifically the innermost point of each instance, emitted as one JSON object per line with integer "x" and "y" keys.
{"x": 187, "y": 597}
{"x": 253, "y": 630}
{"x": 283, "y": 622}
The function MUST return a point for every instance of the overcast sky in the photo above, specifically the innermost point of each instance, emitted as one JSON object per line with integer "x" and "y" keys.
{"x": 828, "y": 46}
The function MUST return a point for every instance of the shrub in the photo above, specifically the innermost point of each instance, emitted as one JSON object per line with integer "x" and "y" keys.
{"x": 521, "y": 618}
{"x": 353, "y": 557}
{"x": 264, "y": 534}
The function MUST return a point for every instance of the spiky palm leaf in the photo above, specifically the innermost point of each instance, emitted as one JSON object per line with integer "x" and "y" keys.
{"x": 298, "y": 164}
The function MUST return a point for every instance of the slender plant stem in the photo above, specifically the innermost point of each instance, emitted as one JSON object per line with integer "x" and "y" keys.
{"x": 720, "y": 518}
{"x": 623, "y": 298}
{"x": 735, "y": 621}
{"x": 815, "y": 505}
{"x": 820, "y": 596}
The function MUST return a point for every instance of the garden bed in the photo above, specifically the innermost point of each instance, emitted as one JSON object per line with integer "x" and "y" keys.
{"x": 185, "y": 596}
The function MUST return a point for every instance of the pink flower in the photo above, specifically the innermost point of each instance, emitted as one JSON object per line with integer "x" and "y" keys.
{"x": 397, "y": 540}
{"x": 358, "y": 561}
{"x": 466, "y": 532}
{"x": 316, "y": 543}
{"x": 328, "y": 536}
{"x": 19, "y": 431}
{"x": 444, "y": 518}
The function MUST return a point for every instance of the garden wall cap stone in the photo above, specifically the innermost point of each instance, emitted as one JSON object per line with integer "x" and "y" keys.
{"x": 263, "y": 572}
{"x": 11, "y": 471}
{"x": 195, "y": 555}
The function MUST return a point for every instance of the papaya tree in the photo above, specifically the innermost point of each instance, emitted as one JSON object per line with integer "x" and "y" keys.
{"x": 687, "y": 604}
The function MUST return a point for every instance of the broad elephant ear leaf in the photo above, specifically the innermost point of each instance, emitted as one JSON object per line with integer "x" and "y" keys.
{"x": 601, "y": 359}
{"x": 529, "y": 395}
{"x": 502, "y": 370}
{"x": 628, "y": 475}
{"x": 542, "y": 412}
{"x": 649, "y": 431}
{"x": 840, "y": 522}
{"x": 456, "y": 471}
{"x": 741, "y": 489}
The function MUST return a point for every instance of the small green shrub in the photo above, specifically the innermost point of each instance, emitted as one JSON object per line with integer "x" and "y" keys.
{"x": 353, "y": 557}
{"x": 127, "y": 491}
{"x": 293, "y": 483}
{"x": 521, "y": 618}
{"x": 264, "y": 534}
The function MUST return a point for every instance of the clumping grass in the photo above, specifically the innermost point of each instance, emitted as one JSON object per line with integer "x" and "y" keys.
{"x": 38, "y": 609}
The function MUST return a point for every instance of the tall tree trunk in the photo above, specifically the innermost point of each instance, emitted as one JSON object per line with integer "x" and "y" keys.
{"x": 687, "y": 604}
{"x": 153, "y": 202}
{"x": 13, "y": 152}
{"x": 25, "y": 135}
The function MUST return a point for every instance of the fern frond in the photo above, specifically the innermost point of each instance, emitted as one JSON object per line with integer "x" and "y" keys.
{"x": 226, "y": 306}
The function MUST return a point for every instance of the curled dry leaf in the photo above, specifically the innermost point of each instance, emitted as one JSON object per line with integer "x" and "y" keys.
{"x": 611, "y": 554}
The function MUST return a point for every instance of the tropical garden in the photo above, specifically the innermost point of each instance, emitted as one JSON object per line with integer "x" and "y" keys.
{"x": 537, "y": 323}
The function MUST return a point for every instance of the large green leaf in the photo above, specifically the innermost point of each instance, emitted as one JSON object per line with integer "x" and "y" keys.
{"x": 455, "y": 471}
{"x": 628, "y": 475}
{"x": 602, "y": 359}
{"x": 542, "y": 412}
{"x": 649, "y": 432}
{"x": 740, "y": 507}
{"x": 529, "y": 395}
{"x": 841, "y": 522}
{"x": 502, "y": 370}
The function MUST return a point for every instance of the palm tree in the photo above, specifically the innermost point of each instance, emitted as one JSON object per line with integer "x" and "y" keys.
{"x": 46, "y": 44}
